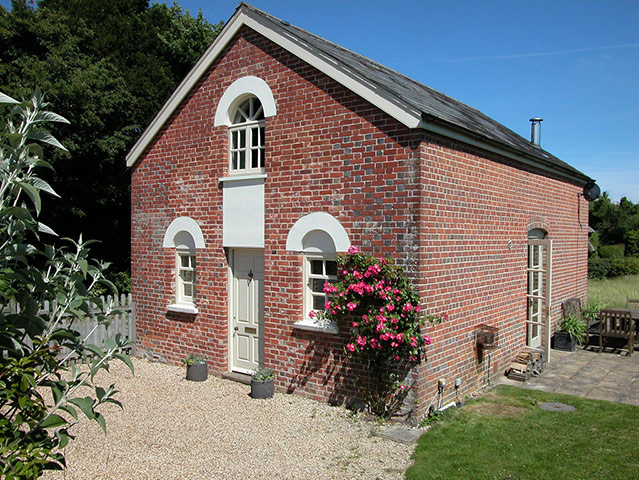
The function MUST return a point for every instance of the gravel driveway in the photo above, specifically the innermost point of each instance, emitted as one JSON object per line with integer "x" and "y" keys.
{"x": 171, "y": 428}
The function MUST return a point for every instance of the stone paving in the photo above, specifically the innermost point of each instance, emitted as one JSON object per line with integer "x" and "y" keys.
{"x": 609, "y": 375}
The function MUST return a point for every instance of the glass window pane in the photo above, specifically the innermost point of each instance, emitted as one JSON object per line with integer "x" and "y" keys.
{"x": 316, "y": 267}
{"x": 242, "y": 163}
{"x": 331, "y": 268}
{"x": 318, "y": 285}
{"x": 188, "y": 290}
{"x": 192, "y": 261}
{"x": 318, "y": 302}
{"x": 262, "y": 136}
{"x": 186, "y": 275}
{"x": 234, "y": 160}
{"x": 242, "y": 138}
{"x": 184, "y": 260}
{"x": 255, "y": 158}
{"x": 255, "y": 138}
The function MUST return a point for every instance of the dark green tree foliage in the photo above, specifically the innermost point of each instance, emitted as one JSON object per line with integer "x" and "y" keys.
{"x": 614, "y": 221}
{"x": 110, "y": 66}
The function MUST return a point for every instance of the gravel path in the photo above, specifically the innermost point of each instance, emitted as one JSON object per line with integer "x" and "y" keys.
{"x": 171, "y": 428}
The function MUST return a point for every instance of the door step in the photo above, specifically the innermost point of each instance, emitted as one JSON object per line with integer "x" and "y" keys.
{"x": 237, "y": 377}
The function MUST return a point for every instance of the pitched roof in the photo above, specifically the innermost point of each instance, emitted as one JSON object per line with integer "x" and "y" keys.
{"x": 410, "y": 102}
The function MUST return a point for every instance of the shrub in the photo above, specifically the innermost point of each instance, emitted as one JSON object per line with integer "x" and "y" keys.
{"x": 632, "y": 243}
{"x": 595, "y": 240}
{"x": 623, "y": 266}
{"x": 598, "y": 267}
{"x": 611, "y": 251}
{"x": 42, "y": 392}
{"x": 386, "y": 335}
{"x": 575, "y": 327}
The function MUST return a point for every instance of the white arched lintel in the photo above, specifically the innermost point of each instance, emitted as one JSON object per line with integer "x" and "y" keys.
{"x": 237, "y": 91}
{"x": 317, "y": 221}
{"x": 183, "y": 224}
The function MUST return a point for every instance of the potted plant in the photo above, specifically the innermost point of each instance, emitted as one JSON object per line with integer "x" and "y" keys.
{"x": 572, "y": 331}
{"x": 196, "y": 368}
{"x": 262, "y": 383}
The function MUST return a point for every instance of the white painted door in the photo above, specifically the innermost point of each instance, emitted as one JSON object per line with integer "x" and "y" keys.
{"x": 247, "y": 310}
{"x": 539, "y": 272}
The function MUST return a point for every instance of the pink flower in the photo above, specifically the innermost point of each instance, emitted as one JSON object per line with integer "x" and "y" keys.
{"x": 408, "y": 307}
{"x": 417, "y": 308}
{"x": 394, "y": 344}
{"x": 312, "y": 314}
{"x": 384, "y": 336}
{"x": 328, "y": 305}
{"x": 397, "y": 358}
{"x": 350, "y": 347}
{"x": 374, "y": 343}
{"x": 361, "y": 341}
{"x": 402, "y": 387}
{"x": 351, "y": 306}
{"x": 427, "y": 340}
{"x": 355, "y": 324}
{"x": 390, "y": 307}
{"x": 412, "y": 358}
{"x": 413, "y": 342}
{"x": 352, "y": 250}
{"x": 399, "y": 337}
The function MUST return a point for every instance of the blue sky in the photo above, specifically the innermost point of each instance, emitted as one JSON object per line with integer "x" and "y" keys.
{"x": 573, "y": 63}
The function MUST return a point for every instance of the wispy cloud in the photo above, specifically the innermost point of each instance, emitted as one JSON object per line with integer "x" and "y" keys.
{"x": 515, "y": 56}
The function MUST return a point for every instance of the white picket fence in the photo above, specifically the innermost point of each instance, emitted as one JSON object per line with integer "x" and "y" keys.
{"x": 122, "y": 323}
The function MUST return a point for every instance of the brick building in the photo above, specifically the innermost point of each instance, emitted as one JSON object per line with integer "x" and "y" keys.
{"x": 280, "y": 149}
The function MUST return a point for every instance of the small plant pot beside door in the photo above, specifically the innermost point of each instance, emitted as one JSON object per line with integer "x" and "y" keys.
{"x": 572, "y": 331}
{"x": 197, "y": 370}
{"x": 262, "y": 383}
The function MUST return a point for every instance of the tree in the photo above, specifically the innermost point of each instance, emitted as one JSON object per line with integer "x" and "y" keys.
{"x": 614, "y": 221}
{"x": 34, "y": 425}
{"x": 110, "y": 77}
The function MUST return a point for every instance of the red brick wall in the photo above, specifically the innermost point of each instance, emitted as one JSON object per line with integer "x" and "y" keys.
{"x": 473, "y": 204}
{"x": 328, "y": 150}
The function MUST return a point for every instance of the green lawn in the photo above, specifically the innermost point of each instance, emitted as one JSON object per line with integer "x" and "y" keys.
{"x": 506, "y": 435}
{"x": 612, "y": 292}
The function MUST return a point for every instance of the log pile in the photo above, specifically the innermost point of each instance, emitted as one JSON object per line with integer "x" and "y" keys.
{"x": 526, "y": 364}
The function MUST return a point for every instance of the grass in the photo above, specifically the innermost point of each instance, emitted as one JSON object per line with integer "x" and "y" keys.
{"x": 612, "y": 292}
{"x": 506, "y": 435}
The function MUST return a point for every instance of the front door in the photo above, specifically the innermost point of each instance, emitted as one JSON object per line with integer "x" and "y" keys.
{"x": 538, "y": 295}
{"x": 247, "y": 310}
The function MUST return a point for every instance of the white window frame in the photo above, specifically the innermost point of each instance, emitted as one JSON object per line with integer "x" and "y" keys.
{"x": 182, "y": 298}
{"x": 309, "y": 293}
{"x": 251, "y": 127}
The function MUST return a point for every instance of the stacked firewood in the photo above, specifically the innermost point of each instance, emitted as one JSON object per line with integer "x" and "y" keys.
{"x": 527, "y": 363}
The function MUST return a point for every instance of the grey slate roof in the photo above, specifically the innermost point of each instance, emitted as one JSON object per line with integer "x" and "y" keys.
{"x": 433, "y": 104}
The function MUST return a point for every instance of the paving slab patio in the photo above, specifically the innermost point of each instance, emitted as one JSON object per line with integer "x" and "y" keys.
{"x": 586, "y": 373}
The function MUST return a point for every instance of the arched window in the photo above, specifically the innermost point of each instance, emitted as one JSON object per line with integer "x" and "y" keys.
{"x": 246, "y": 143}
{"x": 185, "y": 237}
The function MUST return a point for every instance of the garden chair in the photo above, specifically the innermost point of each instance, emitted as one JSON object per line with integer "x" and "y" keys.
{"x": 633, "y": 303}
{"x": 616, "y": 323}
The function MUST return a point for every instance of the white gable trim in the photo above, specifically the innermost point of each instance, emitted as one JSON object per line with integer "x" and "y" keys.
{"x": 236, "y": 92}
{"x": 350, "y": 79}
{"x": 317, "y": 221}
{"x": 183, "y": 224}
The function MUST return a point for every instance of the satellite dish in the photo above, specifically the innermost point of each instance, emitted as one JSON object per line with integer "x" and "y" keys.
{"x": 591, "y": 191}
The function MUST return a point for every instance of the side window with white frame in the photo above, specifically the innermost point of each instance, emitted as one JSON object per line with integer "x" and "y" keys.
{"x": 318, "y": 271}
{"x": 185, "y": 276}
{"x": 246, "y": 142}
{"x": 185, "y": 238}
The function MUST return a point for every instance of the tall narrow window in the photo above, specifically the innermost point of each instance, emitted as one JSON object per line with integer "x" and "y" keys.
{"x": 318, "y": 272}
{"x": 247, "y": 137}
{"x": 185, "y": 277}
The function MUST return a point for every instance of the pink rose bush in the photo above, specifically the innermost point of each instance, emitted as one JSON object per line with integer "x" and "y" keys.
{"x": 386, "y": 322}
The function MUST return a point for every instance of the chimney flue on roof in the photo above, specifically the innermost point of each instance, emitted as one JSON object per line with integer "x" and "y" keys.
{"x": 535, "y": 131}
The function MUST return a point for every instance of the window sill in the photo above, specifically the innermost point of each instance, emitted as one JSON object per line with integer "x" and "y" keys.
{"x": 314, "y": 326}
{"x": 243, "y": 176}
{"x": 182, "y": 308}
